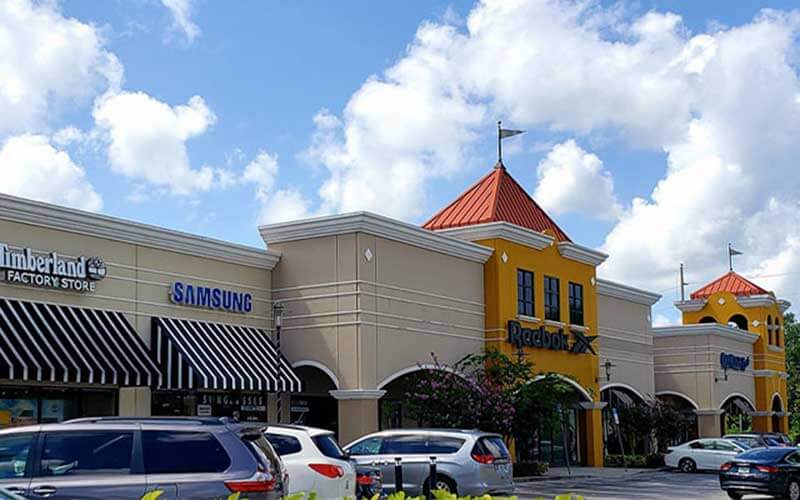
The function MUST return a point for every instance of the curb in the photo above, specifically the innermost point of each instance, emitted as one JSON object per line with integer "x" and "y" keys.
{"x": 545, "y": 477}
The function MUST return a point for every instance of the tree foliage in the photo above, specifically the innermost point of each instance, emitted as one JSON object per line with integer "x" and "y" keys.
{"x": 792, "y": 350}
{"x": 488, "y": 391}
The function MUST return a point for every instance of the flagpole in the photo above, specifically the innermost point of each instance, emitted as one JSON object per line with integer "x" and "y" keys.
{"x": 730, "y": 258}
{"x": 499, "y": 143}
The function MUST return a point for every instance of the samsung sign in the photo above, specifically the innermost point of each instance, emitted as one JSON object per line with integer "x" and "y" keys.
{"x": 731, "y": 362}
{"x": 187, "y": 294}
{"x": 25, "y": 266}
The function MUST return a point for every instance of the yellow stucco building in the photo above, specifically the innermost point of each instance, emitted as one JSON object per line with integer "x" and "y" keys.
{"x": 540, "y": 293}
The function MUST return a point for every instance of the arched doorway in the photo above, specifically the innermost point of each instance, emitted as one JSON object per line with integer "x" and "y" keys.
{"x": 685, "y": 408}
{"x": 737, "y": 415}
{"x": 777, "y": 407}
{"x": 393, "y": 411}
{"x": 738, "y": 321}
{"x": 315, "y": 406}
{"x": 708, "y": 319}
{"x": 625, "y": 401}
{"x": 557, "y": 434}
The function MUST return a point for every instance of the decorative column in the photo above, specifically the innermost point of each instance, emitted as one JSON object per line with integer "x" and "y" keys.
{"x": 708, "y": 423}
{"x": 358, "y": 412}
{"x": 592, "y": 445}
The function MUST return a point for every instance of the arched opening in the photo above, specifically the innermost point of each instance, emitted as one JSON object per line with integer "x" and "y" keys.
{"x": 560, "y": 438}
{"x": 315, "y": 406}
{"x": 777, "y": 332}
{"x": 738, "y": 321}
{"x": 708, "y": 319}
{"x": 777, "y": 420}
{"x": 393, "y": 412}
{"x": 685, "y": 408}
{"x": 737, "y": 415}
{"x": 630, "y": 409}
{"x": 769, "y": 329}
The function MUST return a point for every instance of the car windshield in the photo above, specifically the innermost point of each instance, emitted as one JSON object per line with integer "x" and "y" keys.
{"x": 742, "y": 443}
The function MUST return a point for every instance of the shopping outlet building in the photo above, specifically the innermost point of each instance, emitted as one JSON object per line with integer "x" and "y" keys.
{"x": 104, "y": 316}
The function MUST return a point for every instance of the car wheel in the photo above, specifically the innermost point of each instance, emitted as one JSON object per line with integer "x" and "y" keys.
{"x": 442, "y": 483}
{"x": 687, "y": 465}
{"x": 793, "y": 491}
{"x": 735, "y": 495}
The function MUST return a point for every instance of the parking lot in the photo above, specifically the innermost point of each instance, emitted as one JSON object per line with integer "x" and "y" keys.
{"x": 650, "y": 485}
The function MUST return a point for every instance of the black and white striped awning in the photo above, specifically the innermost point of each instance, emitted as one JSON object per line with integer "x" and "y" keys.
{"x": 218, "y": 356}
{"x": 59, "y": 343}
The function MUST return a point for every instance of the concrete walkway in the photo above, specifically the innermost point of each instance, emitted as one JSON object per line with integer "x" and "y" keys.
{"x": 584, "y": 472}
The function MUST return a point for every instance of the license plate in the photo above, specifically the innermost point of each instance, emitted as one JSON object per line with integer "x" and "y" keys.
{"x": 743, "y": 470}
{"x": 502, "y": 469}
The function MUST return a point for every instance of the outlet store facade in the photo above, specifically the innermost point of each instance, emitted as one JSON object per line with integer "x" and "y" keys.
{"x": 104, "y": 316}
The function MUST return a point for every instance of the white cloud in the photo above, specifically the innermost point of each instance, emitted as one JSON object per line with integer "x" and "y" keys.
{"x": 48, "y": 61}
{"x": 147, "y": 140}
{"x": 181, "y": 11}
{"x": 275, "y": 206}
{"x": 572, "y": 180}
{"x": 723, "y": 106}
{"x": 32, "y": 168}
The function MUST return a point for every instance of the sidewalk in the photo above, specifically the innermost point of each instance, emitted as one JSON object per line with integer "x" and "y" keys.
{"x": 584, "y": 472}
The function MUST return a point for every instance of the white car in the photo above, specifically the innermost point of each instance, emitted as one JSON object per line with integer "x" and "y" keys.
{"x": 702, "y": 454}
{"x": 313, "y": 460}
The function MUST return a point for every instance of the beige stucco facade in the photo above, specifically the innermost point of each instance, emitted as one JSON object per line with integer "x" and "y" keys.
{"x": 626, "y": 338}
{"x": 369, "y": 308}
{"x": 142, "y": 262}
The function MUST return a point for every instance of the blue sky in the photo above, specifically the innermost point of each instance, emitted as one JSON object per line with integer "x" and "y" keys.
{"x": 301, "y": 107}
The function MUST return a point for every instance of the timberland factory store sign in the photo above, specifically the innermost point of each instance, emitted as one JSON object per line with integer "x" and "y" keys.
{"x": 25, "y": 266}
{"x": 556, "y": 341}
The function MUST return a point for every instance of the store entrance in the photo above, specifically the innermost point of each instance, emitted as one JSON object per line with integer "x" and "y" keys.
{"x": 554, "y": 442}
{"x": 315, "y": 407}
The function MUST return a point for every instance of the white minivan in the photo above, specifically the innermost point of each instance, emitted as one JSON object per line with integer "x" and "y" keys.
{"x": 313, "y": 460}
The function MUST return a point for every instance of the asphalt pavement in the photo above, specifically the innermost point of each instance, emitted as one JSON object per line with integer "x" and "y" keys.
{"x": 649, "y": 485}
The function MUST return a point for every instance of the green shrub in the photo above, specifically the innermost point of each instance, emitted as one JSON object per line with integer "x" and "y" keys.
{"x": 652, "y": 461}
{"x": 525, "y": 469}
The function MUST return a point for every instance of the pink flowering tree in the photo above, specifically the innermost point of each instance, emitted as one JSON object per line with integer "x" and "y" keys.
{"x": 488, "y": 391}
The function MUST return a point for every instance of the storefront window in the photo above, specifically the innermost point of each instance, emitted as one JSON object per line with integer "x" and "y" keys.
{"x": 524, "y": 292}
{"x": 576, "y": 304}
{"x": 34, "y": 405}
{"x": 552, "y": 310}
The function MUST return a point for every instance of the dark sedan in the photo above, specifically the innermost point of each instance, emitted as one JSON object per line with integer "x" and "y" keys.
{"x": 763, "y": 471}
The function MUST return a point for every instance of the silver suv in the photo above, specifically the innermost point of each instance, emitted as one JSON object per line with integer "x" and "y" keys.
{"x": 469, "y": 463}
{"x": 124, "y": 458}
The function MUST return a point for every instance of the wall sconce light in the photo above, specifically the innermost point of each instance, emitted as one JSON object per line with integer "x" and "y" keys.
{"x": 724, "y": 375}
{"x": 608, "y": 365}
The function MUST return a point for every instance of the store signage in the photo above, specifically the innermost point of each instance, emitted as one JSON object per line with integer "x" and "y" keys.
{"x": 30, "y": 267}
{"x": 210, "y": 298}
{"x": 732, "y": 362}
{"x": 543, "y": 339}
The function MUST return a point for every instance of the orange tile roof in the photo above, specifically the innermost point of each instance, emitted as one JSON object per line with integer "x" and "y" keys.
{"x": 494, "y": 198}
{"x": 730, "y": 282}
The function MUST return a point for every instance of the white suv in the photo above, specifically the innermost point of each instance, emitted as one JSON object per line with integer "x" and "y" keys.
{"x": 313, "y": 460}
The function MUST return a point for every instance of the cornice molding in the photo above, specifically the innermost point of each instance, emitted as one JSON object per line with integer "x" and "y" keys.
{"x": 625, "y": 292}
{"x": 377, "y": 225}
{"x": 50, "y": 216}
{"x": 359, "y": 394}
{"x": 783, "y": 305}
{"x": 582, "y": 254}
{"x": 502, "y": 230}
{"x": 748, "y": 301}
{"x": 692, "y": 305}
{"x": 770, "y": 373}
{"x": 704, "y": 329}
